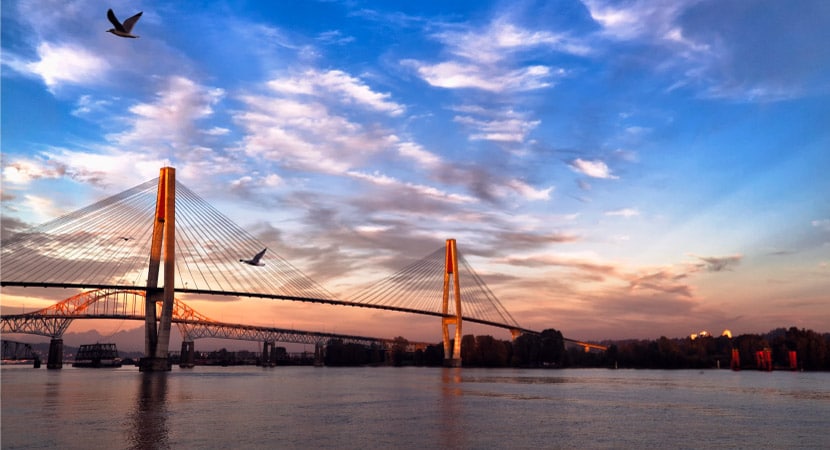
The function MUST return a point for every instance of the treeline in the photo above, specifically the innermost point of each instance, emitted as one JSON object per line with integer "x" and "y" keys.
{"x": 812, "y": 351}
{"x": 542, "y": 350}
{"x": 548, "y": 349}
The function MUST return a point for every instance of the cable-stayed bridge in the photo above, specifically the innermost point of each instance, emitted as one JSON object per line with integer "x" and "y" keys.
{"x": 199, "y": 250}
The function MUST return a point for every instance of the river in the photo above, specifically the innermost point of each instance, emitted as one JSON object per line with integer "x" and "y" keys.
{"x": 416, "y": 408}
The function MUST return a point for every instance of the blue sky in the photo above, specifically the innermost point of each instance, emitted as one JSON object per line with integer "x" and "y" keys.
{"x": 611, "y": 169}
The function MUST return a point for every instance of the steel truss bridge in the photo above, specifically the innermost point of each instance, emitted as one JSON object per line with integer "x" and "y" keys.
{"x": 17, "y": 351}
{"x": 121, "y": 304}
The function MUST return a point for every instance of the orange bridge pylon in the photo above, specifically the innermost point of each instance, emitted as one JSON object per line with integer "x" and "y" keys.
{"x": 452, "y": 353}
{"x": 157, "y": 335}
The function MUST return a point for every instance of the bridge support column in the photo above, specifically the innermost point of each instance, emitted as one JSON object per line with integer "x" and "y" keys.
{"x": 452, "y": 349}
{"x": 55, "y": 360}
{"x": 188, "y": 355}
{"x": 319, "y": 354}
{"x": 269, "y": 354}
{"x": 157, "y": 329}
{"x": 274, "y": 356}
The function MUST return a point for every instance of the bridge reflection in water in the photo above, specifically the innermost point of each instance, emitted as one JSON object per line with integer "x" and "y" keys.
{"x": 150, "y": 417}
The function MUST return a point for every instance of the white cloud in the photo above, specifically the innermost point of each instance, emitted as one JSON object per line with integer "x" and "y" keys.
{"x": 594, "y": 169}
{"x": 66, "y": 64}
{"x": 638, "y": 18}
{"x": 500, "y": 39}
{"x": 217, "y": 131}
{"x": 170, "y": 122}
{"x": 116, "y": 168}
{"x": 354, "y": 90}
{"x": 506, "y": 126}
{"x": 417, "y": 153}
{"x": 372, "y": 229}
{"x": 86, "y": 104}
{"x": 348, "y": 89}
{"x": 43, "y": 207}
{"x": 334, "y": 37}
{"x": 625, "y": 212}
{"x": 380, "y": 179}
{"x": 490, "y": 58}
{"x": 529, "y": 192}
{"x": 456, "y": 75}
{"x": 306, "y": 135}
{"x": 249, "y": 182}
{"x": 302, "y": 125}
{"x": 23, "y": 171}
{"x": 156, "y": 133}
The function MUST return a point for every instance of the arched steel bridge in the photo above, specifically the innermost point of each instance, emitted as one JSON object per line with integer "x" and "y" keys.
{"x": 124, "y": 304}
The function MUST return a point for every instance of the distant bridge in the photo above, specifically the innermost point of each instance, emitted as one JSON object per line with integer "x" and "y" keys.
{"x": 129, "y": 305}
{"x": 18, "y": 351}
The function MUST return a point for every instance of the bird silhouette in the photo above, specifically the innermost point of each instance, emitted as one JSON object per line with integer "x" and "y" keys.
{"x": 255, "y": 260}
{"x": 125, "y": 29}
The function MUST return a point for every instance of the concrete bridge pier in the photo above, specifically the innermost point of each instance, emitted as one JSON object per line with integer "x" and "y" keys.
{"x": 274, "y": 355}
{"x": 188, "y": 355}
{"x": 55, "y": 360}
{"x": 269, "y": 354}
{"x": 319, "y": 354}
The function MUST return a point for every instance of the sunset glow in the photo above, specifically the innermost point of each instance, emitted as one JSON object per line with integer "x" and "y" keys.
{"x": 609, "y": 169}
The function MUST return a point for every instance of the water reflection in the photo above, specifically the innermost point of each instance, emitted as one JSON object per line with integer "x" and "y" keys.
{"x": 451, "y": 425}
{"x": 52, "y": 398}
{"x": 150, "y": 428}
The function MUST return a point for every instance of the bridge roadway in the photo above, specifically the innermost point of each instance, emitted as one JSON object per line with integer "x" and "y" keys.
{"x": 254, "y": 330}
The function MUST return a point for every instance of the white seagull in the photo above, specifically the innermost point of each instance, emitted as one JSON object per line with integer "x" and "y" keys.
{"x": 255, "y": 260}
{"x": 122, "y": 30}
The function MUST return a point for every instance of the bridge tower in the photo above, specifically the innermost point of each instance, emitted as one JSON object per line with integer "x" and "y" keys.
{"x": 452, "y": 353}
{"x": 157, "y": 332}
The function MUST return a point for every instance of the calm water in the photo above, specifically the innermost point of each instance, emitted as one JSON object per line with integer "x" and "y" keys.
{"x": 312, "y": 407}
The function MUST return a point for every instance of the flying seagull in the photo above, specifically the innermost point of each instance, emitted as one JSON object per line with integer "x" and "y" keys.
{"x": 255, "y": 260}
{"x": 122, "y": 30}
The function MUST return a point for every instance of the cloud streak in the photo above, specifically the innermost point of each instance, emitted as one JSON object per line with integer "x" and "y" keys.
{"x": 593, "y": 169}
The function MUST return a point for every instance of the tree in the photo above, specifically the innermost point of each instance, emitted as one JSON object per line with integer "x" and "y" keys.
{"x": 552, "y": 352}
{"x": 399, "y": 347}
{"x": 469, "y": 355}
{"x": 526, "y": 349}
{"x": 491, "y": 352}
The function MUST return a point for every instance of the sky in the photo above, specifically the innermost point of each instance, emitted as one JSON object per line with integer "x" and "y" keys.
{"x": 613, "y": 170}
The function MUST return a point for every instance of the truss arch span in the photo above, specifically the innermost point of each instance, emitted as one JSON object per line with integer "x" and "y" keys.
{"x": 113, "y": 303}
{"x": 129, "y": 304}
{"x": 54, "y": 320}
